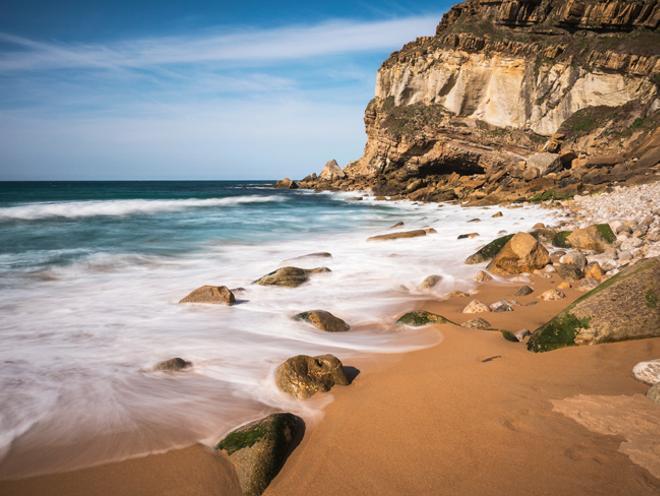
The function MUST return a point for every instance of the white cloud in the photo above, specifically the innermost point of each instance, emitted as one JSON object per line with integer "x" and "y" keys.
{"x": 242, "y": 47}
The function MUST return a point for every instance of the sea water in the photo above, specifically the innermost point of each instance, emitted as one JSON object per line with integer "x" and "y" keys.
{"x": 90, "y": 278}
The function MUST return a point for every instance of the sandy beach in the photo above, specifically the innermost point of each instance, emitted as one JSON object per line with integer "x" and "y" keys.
{"x": 476, "y": 414}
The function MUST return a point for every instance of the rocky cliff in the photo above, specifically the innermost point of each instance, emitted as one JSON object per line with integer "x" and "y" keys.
{"x": 516, "y": 99}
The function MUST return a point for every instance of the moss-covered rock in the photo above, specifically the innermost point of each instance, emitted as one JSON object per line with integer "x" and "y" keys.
{"x": 509, "y": 336}
{"x": 615, "y": 310}
{"x": 560, "y": 239}
{"x": 489, "y": 251}
{"x": 422, "y": 318}
{"x": 259, "y": 449}
{"x": 596, "y": 238}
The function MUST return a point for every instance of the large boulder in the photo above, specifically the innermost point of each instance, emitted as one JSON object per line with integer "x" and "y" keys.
{"x": 332, "y": 171}
{"x": 404, "y": 234}
{"x": 259, "y": 449}
{"x": 289, "y": 277}
{"x": 624, "y": 307}
{"x": 323, "y": 320}
{"x": 286, "y": 183}
{"x": 218, "y": 295}
{"x": 522, "y": 253}
{"x": 489, "y": 251}
{"x": 303, "y": 376}
{"x": 597, "y": 237}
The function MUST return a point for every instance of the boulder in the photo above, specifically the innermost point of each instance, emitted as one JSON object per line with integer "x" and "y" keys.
{"x": 594, "y": 271}
{"x": 489, "y": 251}
{"x": 173, "y": 365}
{"x": 430, "y": 282}
{"x": 524, "y": 291}
{"x": 475, "y": 306}
{"x": 541, "y": 164}
{"x": 332, "y": 171}
{"x": 259, "y": 449}
{"x": 422, "y": 318}
{"x": 218, "y": 295}
{"x": 597, "y": 237}
{"x": 303, "y": 376}
{"x": 654, "y": 393}
{"x": 624, "y": 307}
{"x": 569, "y": 272}
{"x": 648, "y": 372}
{"x": 522, "y": 253}
{"x": 574, "y": 258}
{"x": 477, "y": 324}
{"x": 552, "y": 295}
{"x": 401, "y": 235}
{"x": 286, "y": 183}
{"x": 324, "y": 321}
{"x": 289, "y": 277}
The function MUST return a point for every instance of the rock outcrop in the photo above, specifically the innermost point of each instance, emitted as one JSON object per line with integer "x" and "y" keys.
{"x": 626, "y": 306}
{"x": 259, "y": 449}
{"x": 303, "y": 376}
{"x": 515, "y": 99}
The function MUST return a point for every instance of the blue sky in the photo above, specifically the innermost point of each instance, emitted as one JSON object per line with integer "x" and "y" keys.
{"x": 191, "y": 89}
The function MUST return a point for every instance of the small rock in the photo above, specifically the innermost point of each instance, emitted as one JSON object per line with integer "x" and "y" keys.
{"x": 574, "y": 258}
{"x": 430, "y": 282}
{"x": 524, "y": 291}
{"x": 587, "y": 285}
{"x": 402, "y": 235}
{"x": 538, "y": 225}
{"x": 569, "y": 272}
{"x": 422, "y": 318}
{"x": 475, "y": 220}
{"x": 290, "y": 277}
{"x": 211, "y": 294}
{"x": 468, "y": 235}
{"x": 398, "y": 224}
{"x": 483, "y": 276}
{"x": 324, "y": 321}
{"x": 552, "y": 295}
{"x": 477, "y": 324}
{"x": 654, "y": 393}
{"x": 565, "y": 285}
{"x": 501, "y": 306}
{"x": 555, "y": 256}
{"x": 523, "y": 334}
{"x": 303, "y": 376}
{"x": 475, "y": 306}
{"x": 497, "y": 214}
{"x": 648, "y": 372}
{"x": 173, "y": 365}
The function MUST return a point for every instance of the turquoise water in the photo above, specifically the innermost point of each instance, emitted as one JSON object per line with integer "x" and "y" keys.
{"x": 90, "y": 279}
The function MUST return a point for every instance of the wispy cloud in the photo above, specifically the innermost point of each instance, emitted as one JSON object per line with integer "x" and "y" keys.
{"x": 245, "y": 47}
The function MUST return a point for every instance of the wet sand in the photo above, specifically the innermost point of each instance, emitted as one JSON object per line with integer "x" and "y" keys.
{"x": 474, "y": 415}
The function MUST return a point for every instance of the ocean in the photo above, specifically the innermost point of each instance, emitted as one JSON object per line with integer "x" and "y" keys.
{"x": 90, "y": 278}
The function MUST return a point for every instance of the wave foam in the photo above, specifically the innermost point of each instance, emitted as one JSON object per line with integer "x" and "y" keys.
{"x": 94, "y": 208}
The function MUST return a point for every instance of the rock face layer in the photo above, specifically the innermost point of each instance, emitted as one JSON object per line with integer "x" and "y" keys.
{"x": 512, "y": 97}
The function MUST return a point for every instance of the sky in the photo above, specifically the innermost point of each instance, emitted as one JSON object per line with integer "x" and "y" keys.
{"x": 196, "y": 89}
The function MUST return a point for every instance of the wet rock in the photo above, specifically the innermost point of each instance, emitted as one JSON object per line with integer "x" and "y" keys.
{"x": 524, "y": 291}
{"x": 477, "y": 324}
{"x": 624, "y": 307}
{"x": 286, "y": 183}
{"x": 397, "y": 225}
{"x": 483, "y": 276}
{"x": 509, "y": 336}
{"x": 475, "y": 220}
{"x": 430, "y": 282}
{"x": 289, "y": 277}
{"x": 173, "y": 365}
{"x": 422, "y": 318}
{"x": 218, "y": 295}
{"x": 522, "y": 253}
{"x": 318, "y": 254}
{"x": 497, "y": 214}
{"x": 597, "y": 237}
{"x": 552, "y": 295}
{"x": 303, "y": 376}
{"x": 259, "y": 449}
{"x": 402, "y": 235}
{"x": 489, "y": 251}
{"x": 324, "y": 321}
{"x": 468, "y": 235}
{"x": 475, "y": 306}
{"x": 648, "y": 372}
{"x": 501, "y": 306}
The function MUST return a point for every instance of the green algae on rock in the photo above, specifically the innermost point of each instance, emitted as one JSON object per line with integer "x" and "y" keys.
{"x": 259, "y": 449}
{"x": 422, "y": 318}
{"x": 489, "y": 251}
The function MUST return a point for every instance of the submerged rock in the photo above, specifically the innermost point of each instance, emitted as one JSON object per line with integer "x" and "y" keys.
{"x": 259, "y": 449}
{"x": 303, "y": 376}
{"x": 402, "y": 235}
{"x": 430, "y": 282}
{"x": 624, "y": 307}
{"x": 290, "y": 277}
{"x": 173, "y": 365}
{"x": 648, "y": 372}
{"x": 324, "y": 321}
{"x": 475, "y": 306}
{"x": 422, "y": 318}
{"x": 489, "y": 251}
{"x": 477, "y": 324}
{"x": 211, "y": 294}
{"x": 522, "y": 253}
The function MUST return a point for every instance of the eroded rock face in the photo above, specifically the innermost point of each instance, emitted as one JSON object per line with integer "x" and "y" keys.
{"x": 219, "y": 295}
{"x": 324, "y": 321}
{"x": 303, "y": 376}
{"x": 289, "y": 277}
{"x": 522, "y": 253}
{"x": 626, "y": 306}
{"x": 259, "y": 449}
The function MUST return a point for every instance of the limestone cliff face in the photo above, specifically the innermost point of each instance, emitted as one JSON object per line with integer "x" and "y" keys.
{"x": 517, "y": 91}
